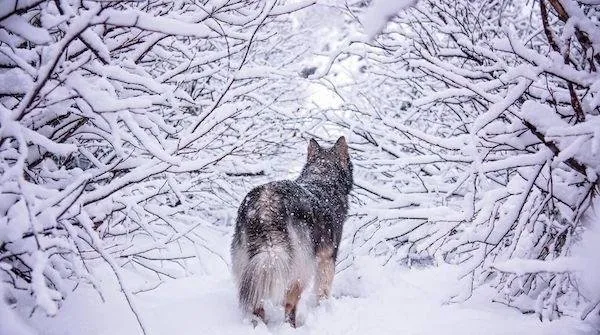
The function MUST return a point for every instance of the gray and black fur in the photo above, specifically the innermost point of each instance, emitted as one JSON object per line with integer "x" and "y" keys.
{"x": 288, "y": 232}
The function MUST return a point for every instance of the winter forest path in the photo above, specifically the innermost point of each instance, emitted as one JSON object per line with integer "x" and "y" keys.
{"x": 368, "y": 299}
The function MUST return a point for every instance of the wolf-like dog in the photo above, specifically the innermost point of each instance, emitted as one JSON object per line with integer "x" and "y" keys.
{"x": 288, "y": 232}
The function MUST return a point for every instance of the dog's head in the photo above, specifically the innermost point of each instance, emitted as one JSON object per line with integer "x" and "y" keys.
{"x": 329, "y": 164}
{"x": 337, "y": 155}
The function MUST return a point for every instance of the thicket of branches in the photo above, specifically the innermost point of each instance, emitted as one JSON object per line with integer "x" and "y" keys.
{"x": 476, "y": 126}
{"x": 125, "y": 131}
{"x": 129, "y": 131}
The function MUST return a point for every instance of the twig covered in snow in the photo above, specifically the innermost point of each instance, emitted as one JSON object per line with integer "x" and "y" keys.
{"x": 119, "y": 121}
{"x": 476, "y": 124}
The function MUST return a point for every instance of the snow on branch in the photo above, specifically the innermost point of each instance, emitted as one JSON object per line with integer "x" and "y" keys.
{"x": 118, "y": 124}
{"x": 480, "y": 119}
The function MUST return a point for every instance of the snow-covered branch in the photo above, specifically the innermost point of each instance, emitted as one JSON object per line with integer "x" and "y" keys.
{"x": 475, "y": 123}
{"x": 118, "y": 125}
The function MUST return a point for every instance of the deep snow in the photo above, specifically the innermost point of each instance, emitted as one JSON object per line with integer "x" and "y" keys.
{"x": 368, "y": 299}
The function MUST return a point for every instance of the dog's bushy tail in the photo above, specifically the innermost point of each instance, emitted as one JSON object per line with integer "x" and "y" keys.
{"x": 265, "y": 277}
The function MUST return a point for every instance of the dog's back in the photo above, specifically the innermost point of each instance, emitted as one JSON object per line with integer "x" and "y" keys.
{"x": 288, "y": 231}
{"x": 271, "y": 245}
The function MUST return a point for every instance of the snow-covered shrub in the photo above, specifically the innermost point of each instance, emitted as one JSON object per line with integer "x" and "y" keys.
{"x": 476, "y": 126}
{"x": 120, "y": 122}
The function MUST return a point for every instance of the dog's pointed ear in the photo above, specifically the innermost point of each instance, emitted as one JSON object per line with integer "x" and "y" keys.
{"x": 313, "y": 150}
{"x": 341, "y": 149}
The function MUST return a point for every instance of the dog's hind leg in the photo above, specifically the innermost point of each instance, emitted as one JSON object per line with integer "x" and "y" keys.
{"x": 292, "y": 297}
{"x": 325, "y": 273}
{"x": 259, "y": 314}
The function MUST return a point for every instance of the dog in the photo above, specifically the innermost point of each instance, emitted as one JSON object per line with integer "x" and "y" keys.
{"x": 287, "y": 233}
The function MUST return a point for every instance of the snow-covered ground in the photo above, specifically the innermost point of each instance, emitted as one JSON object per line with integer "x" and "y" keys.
{"x": 368, "y": 299}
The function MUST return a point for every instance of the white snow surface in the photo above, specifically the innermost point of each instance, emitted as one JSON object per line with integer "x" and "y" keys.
{"x": 380, "y": 12}
{"x": 367, "y": 299}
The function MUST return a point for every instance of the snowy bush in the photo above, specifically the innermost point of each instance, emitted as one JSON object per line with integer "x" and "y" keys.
{"x": 130, "y": 130}
{"x": 120, "y": 125}
{"x": 476, "y": 126}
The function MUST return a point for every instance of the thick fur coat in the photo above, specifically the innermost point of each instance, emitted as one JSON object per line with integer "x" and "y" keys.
{"x": 288, "y": 232}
